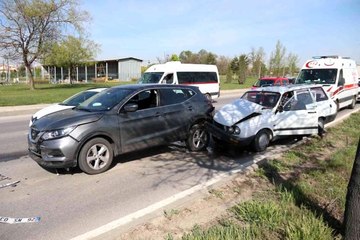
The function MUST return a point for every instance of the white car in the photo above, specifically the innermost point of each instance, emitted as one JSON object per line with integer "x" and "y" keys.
{"x": 264, "y": 114}
{"x": 71, "y": 102}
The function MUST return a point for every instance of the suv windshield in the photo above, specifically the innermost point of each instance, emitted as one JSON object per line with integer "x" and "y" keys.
{"x": 150, "y": 77}
{"x": 105, "y": 100}
{"x": 320, "y": 76}
{"x": 265, "y": 99}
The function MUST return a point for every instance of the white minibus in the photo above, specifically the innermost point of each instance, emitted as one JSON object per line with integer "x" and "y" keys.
{"x": 203, "y": 76}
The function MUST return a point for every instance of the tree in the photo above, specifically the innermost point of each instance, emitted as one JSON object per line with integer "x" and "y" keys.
{"x": 256, "y": 59}
{"x": 229, "y": 75}
{"x": 28, "y": 27}
{"x": 174, "y": 57}
{"x": 223, "y": 63}
{"x": 243, "y": 68}
{"x": 186, "y": 56}
{"x": 292, "y": 62}
{"x": 71, "y": 52}
{"x": 277, "y": 59}
{"x": 352, "y": 205}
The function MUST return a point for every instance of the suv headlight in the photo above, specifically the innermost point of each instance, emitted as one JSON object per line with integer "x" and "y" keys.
{"x": 58, "y": 133}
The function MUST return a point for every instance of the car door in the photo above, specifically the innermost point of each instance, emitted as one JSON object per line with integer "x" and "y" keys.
{"x": 326, "y": 107}
{"x": 298, "y": 115}
{"x": 177, "y": 111}
{"x": 144, "y": 127}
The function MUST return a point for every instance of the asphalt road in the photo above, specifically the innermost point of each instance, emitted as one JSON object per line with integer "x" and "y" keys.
{"x": 72, "y": 203}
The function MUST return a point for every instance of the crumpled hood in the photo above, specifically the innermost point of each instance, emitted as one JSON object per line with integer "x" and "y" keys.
{"x": 233, "y": 112}
{"x": 66, "y": 118}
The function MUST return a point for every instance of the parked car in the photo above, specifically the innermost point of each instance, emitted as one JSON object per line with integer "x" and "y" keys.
{"x": 264, "y": 114}
{"x": 70, "y": 102}
{"x": 271, "y": 81}
{"x": 118, "y": 120}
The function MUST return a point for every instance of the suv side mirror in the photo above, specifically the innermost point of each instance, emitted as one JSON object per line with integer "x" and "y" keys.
{"x": 131, "y": 107}
{"x": 280, "y": 108}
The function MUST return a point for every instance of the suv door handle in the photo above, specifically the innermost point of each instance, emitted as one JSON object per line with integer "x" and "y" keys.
{"x": 157, "y": 114}
{"x": 311, "y": 112}
{"x": 190, "y": 108}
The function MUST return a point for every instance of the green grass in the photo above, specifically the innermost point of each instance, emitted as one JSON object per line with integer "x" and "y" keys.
{"x": 235, "y": 85}
{"x": 307, "y": 200}
{"x": 20, "y": 94}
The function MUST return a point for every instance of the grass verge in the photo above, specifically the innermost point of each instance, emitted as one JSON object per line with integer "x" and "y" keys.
{"x": 20, "y": 94}
{"x": 306, "y": 197}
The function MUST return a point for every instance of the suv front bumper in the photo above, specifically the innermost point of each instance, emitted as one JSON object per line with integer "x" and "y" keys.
{"x": 56, "y": 153}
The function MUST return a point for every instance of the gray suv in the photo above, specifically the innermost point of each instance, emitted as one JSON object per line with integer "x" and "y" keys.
{"x": 118, "y": 120}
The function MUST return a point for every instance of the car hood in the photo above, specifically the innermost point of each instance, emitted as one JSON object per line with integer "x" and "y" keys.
{"x": 66, "y": 118}
{"x": 50, "y": 109}
{"x": 232, "y": 113}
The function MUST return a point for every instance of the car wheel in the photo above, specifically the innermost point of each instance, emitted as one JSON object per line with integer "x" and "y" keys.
{"x": 198, "y": 138}
{"x": 321, "y": 127}
{"x": 96, "y": 156}
{"x": 261, "y": 141}
{"x": 353, "y": 103}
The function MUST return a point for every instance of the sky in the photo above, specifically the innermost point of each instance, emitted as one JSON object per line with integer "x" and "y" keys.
{"x": 149, "y": 30}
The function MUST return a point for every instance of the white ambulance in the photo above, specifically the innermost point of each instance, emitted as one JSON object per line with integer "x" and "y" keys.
{"x": 338, "y": 75}
{"x": 203, "y": 76}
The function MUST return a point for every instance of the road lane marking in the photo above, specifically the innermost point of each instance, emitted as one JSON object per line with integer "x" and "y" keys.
{"x": 9, "y": 220}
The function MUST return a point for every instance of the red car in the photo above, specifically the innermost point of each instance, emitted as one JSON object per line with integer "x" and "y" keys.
{"x": 271, "y": 81}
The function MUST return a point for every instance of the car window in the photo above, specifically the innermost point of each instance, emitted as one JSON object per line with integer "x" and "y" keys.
{"x": 146, "y": 99}
{"x": 299, "y": 103}
{"x": 319, "y": 94}
{"x": 173, "y": 96}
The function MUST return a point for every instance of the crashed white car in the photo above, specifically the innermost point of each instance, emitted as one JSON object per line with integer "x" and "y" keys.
{"x": 70, "y": 102}
{"x": 264, "y": 114}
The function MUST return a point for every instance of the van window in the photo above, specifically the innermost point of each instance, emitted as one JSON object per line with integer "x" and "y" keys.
{"x": 196, "y": 77}
{"x": 150, "y": 77}
{"x": 320, "y": 76}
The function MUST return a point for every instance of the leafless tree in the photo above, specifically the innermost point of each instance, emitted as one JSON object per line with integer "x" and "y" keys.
{"x": 28, "y": 27}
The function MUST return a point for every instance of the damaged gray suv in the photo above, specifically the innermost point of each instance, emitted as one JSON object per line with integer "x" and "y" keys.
{"x": 118, "y": 120}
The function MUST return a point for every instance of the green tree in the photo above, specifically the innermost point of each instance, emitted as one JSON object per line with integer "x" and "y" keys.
{"x": 70, "y": 53}
{"x": 234, "y": 65}
{"x": 229, "y": 75}
{"x": 243, "y": 68}
{"x": 174, "y": 57}
{"x": 29, "y": 26}
{"x": 186, "y": 57}
{"x": 277, "y": 61}
{"x": 292, "y": 63}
